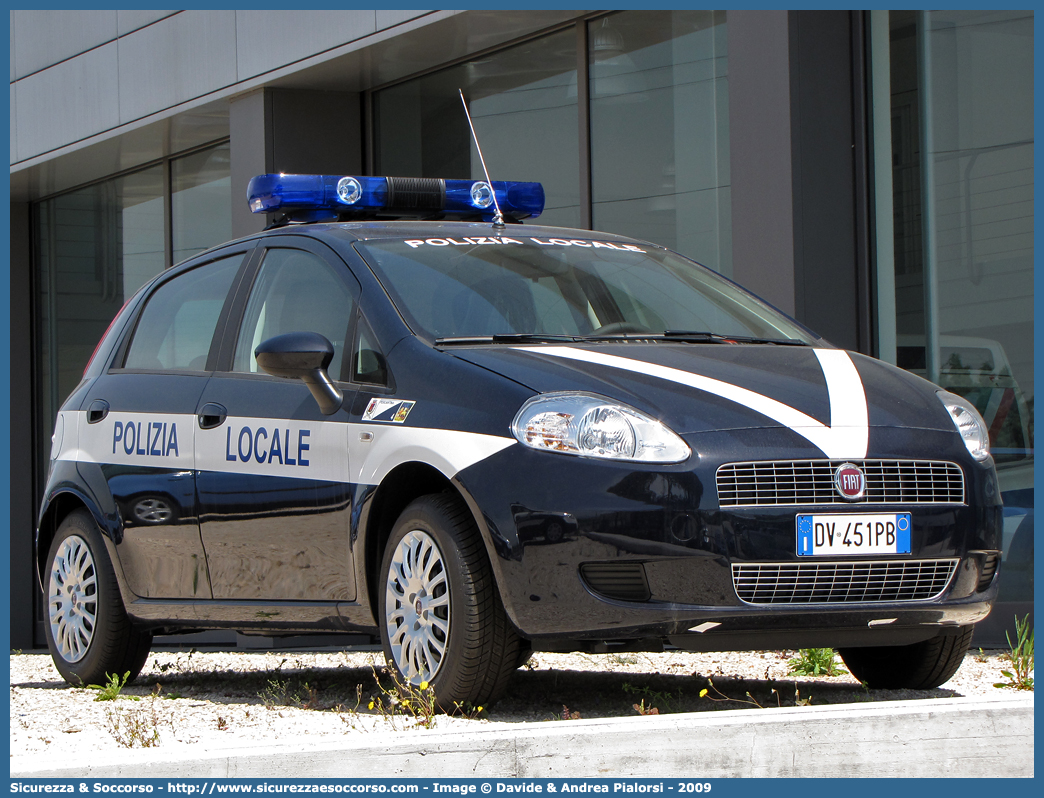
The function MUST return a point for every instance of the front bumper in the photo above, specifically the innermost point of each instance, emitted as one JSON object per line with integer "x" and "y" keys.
{"x": 549, "y": 518}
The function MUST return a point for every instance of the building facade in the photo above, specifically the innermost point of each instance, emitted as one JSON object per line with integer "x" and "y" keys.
{"x": 870, "y": 173}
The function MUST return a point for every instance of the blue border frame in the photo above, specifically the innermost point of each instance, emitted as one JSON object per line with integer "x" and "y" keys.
{"x": 873, "y": 787}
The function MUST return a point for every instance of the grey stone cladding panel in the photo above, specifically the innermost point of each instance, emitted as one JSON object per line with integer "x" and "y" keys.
{"x": 178, "y": 59}
{"x": 13, "y": 132}
{"x": 129, "y": 21}
{"x": 43, "y": 38}
{"x": 300, "y": 34}
{"x": 388, "y": 19}
{"x": 68, "y": 102}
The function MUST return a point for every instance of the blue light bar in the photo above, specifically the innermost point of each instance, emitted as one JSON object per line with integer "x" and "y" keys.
{"x": 345, "y": 195}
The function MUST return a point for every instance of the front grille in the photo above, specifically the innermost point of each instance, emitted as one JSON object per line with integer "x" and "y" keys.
{"x": 796, "y": 482}
{"x": 841, "y": 582}
{"x": 623, "y": 581}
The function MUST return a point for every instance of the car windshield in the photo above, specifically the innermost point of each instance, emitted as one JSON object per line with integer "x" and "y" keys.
{"x": 468, "y": 288}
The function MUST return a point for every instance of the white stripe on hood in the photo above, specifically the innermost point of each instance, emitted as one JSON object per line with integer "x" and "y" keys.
{"x": 846, "y": 437}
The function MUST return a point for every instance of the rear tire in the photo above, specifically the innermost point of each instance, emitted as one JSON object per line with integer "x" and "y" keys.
{"x": 88, "y": 631}
{"x": 441, "y": 617}
{"x": 921, "y": 666}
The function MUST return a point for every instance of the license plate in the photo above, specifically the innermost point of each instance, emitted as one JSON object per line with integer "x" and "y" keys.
{"x": 837, "y": 534}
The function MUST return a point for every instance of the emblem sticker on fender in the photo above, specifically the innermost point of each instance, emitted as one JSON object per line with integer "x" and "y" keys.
{"x": 393, "y": 411}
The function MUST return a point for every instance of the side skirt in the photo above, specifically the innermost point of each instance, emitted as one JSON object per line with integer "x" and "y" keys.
{"x": 253, "y": 616}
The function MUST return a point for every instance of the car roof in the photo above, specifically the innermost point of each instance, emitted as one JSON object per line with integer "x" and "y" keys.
{"x": 376, "y": 230}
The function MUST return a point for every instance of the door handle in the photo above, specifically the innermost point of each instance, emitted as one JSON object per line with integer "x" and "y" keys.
{"x": 212, "y": 415}
{"x": 99, "y": 409}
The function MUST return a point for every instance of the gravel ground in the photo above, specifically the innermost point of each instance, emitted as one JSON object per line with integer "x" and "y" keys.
{"x": 211, "y": 699}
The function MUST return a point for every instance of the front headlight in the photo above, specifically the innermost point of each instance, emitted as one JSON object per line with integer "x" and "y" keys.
{"x": 593, "y": 426}
{"x": 968, "y": 422}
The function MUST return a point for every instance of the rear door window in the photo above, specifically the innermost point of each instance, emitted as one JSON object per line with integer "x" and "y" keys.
{"x": 176, "y": 328}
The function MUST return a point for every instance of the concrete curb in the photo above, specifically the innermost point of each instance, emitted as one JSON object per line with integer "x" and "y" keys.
{"x": 927, "y": 738}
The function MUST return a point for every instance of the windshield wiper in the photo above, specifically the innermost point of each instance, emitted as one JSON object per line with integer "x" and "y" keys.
{"x": 694, "y": 335}
{"x": 685, "y": 336}
{"x": 506, "y": 338}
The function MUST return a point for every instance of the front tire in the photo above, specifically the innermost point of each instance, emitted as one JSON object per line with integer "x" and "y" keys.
{"x": 921, "y": 666}
{"x": 88, "y": 631}
{"x": 442, "y": 620}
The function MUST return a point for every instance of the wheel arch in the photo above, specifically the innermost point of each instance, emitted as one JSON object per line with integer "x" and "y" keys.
{"x": 57, "y": 509}
{"x": 58, "y": 506}
{"x": 402, "y": 485}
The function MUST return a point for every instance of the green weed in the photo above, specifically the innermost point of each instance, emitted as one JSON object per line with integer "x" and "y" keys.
{"x": 1020, "y": 655}
{"x": 657, "y": 698}
{"x": 402, "y": 701}
{"x": 720, "y": 696}
{"x": 289, "y": 693}
{"x": 134, "y": 728}
{"x": 567, "y": 714}
{"x": 111, "y": 690}
{"x": 467, "y": 710}
{"x": 642, "y": 709}
{"x": 815, "y": 662}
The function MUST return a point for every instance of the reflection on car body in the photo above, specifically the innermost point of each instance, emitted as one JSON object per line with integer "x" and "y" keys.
{"x": 978, "y": 369}
{"x": 541, "y": 528}
{"x": 473, "y": 441}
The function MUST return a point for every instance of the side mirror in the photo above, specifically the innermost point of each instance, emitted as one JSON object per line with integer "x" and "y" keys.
{"x": 304, "y": 356}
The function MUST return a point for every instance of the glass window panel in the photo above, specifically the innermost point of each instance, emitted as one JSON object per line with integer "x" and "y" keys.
{"x": 201, "y": 201}
{"x": 659, "y": 131}
{"x": 961, "y": 85}
{"x": 586, "y": 288}
{"x": 295, "y": 291}
{"x": 94, "y": 248}
{"x": 177, "y": 326}
{"x": 369, "y": 364}
{"x": 523, "y": 102}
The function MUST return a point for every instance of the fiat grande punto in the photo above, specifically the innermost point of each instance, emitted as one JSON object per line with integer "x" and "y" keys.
{"x": 475, "y": 440}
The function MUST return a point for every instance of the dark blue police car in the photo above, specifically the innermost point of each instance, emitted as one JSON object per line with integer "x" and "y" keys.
{"x": 478, "y": 440}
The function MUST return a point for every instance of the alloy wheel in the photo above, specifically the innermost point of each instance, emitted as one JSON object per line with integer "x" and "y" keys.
{"x": 417, "y": 606}
{"x": 72, "y": 598}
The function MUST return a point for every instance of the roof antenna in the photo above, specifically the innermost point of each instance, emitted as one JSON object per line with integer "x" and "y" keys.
{"x": 498, "y": 217}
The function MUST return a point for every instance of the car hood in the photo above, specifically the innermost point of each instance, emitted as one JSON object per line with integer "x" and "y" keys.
{"x": 829, "y": 396}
